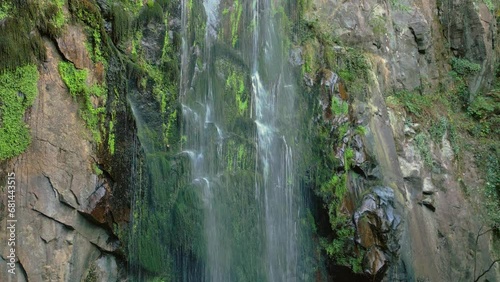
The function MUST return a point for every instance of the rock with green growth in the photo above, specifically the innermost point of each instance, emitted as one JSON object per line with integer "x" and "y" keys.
{"x": 18, "y": 89}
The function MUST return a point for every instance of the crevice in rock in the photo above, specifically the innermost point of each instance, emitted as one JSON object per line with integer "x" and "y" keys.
{"x": 51, "y": 218}
{"x": 58, "y": 195}
{"x": 76, "y": 198}
{"x": 56, "y": 192}
{"x": 22, "y": 271}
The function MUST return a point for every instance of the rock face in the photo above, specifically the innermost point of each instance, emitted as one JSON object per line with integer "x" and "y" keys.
{"x": 408, "y": 44}
{"x": 56, "y": 187}
{"x": 376, "y": 225}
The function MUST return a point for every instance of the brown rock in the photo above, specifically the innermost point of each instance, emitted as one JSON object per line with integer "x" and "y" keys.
{"x": 367, "y": 237}
{"x": 374, "y": 261}
{"x": 72, "y": 46}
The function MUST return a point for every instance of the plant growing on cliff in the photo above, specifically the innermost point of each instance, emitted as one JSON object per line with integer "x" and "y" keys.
{"x": 76, "y": 81}
{"x": 4, "y": 10}
{"x": 18, "y": 89}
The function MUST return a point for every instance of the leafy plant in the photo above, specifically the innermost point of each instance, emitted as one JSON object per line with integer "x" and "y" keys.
{"x": 438, "y": 129}
{"x": 18, "y": 89}
{"x": 5, "y": 10}
{"x": 339, "y": 107}
{"x": 464, "y": 66}
{"x": 422, "y": 143}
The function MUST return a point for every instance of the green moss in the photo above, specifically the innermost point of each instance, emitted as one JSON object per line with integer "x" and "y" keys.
{"x": 96, "y": 169}
{"x": 5, "y": 8}
{"x": 91, "y": 275}
{"x": 151, "y": 13}
{"x": 19, "y": 45}
{"x": 414, "y": 103}
{"x": 311, "y": 63}
{"x": 76, "y": 81}
{"x": 58, "y": 20}
{"x": 111, "y": 137}
{"x": 121, "y": 22}
{"x": 492, "y": 186}
{"x": 234, "y": 19}
{"x": 136, "y": 44}
{"x": 341, "y": 248}
{"x": 170, "y": 131}
{"x": 235, "y": 84}
{"x": 378, "y": 24}
{"x": 396, "y": 4}
{"x": 353, "y": 68}
{"x": 18, "y": 90}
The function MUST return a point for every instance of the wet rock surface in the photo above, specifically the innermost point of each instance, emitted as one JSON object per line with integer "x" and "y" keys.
{"x": 377, "y": 224}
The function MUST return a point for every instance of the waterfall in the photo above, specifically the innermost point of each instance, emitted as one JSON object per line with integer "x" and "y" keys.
{"x": 229, "y": 205}
{"x": 276, "y": 156}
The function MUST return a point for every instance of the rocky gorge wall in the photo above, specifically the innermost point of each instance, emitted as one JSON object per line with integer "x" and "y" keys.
{"x": 410, "y": 48}
{"x": 379, "y": 76}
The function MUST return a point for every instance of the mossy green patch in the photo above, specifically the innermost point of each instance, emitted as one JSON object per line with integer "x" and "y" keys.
{"x": 18, "y": 89}
{"x": 5, "y": 8}
{"x": 235, "y": 17}
{"x": 76, "y": 81}
{"x": 235, "y": 83}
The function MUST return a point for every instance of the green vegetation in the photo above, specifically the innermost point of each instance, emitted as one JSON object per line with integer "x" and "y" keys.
{"x": 490, "y": 5}
{"x": 5, "y": 8}
{"x": 464, "y": 66}
{"x": 91, "y": 273}
{"x": 121, "y": 22}
{"x": 111, "y": 132}
{"x": 96, "y": 169}
{"x": 235, "y": 83}
{"x": 333, "y": 156}
{"x": 153, "y": 12}
{"x": 18, "y": 89}
{"x": 422, "y": 143}
{"x": 331, "y": 182}
{"x": 339, "y": 107}
{"x": 438, "y": 129}
{"x": 58, "y": 19}
{"x": 76, "y": 81}
{"x": 378, "y": 24}
{"x": 235, "y": 17}
{"x": 396, "y": 4}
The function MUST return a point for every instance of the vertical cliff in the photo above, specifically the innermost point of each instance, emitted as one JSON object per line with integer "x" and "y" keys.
{"x": 67, "y": 68}
{"x": 428, "y": 66}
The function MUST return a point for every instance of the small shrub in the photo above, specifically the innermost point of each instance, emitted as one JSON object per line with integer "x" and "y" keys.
{"x": 422, "y": 143}
{"x": 339, "y": 107}
{"x": 464, "y": 66}
{"x": 5, "y": 10}
{"x": 414, "y": 103}
{"x": 438, "y": 129}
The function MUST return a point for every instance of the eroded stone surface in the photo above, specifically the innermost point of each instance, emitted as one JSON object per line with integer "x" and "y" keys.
{"x": 54, "y": 182}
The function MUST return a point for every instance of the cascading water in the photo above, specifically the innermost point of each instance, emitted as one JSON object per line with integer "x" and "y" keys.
{"x": 272, "y": 253}
{"x": 240, "y": 211}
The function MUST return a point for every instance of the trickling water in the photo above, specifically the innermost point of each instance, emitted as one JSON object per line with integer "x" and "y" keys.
{"x": 269, "y": 236}
{"x": 239, "y": 210}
